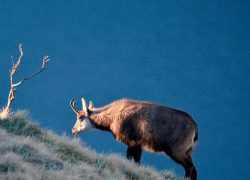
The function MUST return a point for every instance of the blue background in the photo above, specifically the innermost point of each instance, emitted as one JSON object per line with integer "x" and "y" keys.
{"x": 191, "y": 55}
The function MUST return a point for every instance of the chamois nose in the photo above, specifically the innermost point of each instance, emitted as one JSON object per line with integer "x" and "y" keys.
{"x": 73, "y": 131}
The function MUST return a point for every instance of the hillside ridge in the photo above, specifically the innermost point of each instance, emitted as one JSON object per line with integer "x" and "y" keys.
{"x": 28, "y": 151}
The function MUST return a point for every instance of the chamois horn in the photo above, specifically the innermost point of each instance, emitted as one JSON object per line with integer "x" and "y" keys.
{"x": 72, "y": 105}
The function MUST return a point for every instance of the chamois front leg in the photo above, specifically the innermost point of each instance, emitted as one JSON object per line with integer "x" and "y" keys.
{"x": 134, "y": 152}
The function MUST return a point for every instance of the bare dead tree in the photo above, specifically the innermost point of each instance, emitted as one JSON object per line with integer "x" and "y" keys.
{"x": 11, "y": 97}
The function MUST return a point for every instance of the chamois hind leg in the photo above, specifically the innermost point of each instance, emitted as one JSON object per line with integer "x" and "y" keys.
{"x": 187, "y": 163}
{"x": 134, "y": 152}
{"x": 190, "y": 168}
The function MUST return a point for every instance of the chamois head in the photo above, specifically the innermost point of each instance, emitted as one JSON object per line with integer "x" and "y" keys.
{"x": 83, "y": 122}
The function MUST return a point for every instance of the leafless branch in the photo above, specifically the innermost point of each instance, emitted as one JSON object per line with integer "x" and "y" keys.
{"x": 45, "y": 61}
{"x": 13, "y": 86}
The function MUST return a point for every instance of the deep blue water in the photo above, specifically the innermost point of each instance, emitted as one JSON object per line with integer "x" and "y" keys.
{"x": 193, "y": 55}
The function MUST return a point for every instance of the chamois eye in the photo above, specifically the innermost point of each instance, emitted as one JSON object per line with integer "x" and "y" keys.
{"x": 81, "y": 117}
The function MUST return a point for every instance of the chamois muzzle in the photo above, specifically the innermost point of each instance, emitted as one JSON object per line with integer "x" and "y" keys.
{"x": 74, "y": 132}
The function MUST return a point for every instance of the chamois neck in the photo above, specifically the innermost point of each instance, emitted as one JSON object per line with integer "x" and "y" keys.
{"x": 101, "y": 118}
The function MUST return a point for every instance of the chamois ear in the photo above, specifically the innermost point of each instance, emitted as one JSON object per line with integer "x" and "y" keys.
{"x": 91, "y": 105}
{"x": 84, "y": 106}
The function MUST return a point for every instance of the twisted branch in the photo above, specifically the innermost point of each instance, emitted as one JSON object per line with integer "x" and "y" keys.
{"x": 13, "y": 86}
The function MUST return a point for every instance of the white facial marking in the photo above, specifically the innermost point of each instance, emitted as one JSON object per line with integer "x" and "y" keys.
{"x": 85, "y": 125}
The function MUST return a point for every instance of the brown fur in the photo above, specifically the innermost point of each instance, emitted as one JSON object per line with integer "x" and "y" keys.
{"x": 153, "y": 127}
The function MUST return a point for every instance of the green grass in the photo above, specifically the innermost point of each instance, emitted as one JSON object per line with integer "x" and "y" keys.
{"x": 29, "y": 152}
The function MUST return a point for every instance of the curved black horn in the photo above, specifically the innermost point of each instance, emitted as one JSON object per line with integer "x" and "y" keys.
{"x": 72, "y": 105}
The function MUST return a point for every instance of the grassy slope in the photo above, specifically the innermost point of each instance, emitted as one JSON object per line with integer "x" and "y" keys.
{"x": 30, "y": 152}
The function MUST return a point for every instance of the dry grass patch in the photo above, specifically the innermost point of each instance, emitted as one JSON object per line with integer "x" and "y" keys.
{"x": 30, "y": 152}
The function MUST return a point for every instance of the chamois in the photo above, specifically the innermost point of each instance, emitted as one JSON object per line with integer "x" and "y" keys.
{"x": 140, "y": 124}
